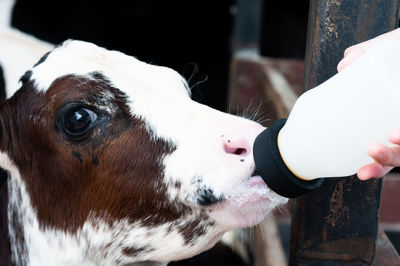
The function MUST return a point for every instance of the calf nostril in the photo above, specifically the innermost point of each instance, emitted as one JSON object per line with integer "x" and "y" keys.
{"x": 235, "y": 147}
{"x": 240, "y": 151}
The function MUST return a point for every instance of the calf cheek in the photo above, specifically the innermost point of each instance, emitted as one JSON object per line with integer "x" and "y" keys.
{"x": 129, "y": 179}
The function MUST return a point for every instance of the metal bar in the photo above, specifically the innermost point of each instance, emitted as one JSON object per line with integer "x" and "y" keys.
{"x": 247, "y": 28}
{"x": 337, "y": 224}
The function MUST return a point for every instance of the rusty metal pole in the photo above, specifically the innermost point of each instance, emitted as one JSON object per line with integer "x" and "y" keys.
{"x": 338, "y": 223}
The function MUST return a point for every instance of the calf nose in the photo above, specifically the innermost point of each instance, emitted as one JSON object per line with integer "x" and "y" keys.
{"x": 241, "y": 142}
{"x": 236, "y": 145}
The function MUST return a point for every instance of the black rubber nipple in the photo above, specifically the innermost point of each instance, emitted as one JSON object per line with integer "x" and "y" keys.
{"x": 272, "y": 168}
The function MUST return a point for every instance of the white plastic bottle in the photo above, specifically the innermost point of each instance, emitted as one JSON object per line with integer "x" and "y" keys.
{"x": 330, "y": 127}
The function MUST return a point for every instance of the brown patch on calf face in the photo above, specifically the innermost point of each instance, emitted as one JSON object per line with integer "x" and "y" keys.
{"x": 114, "y": 173}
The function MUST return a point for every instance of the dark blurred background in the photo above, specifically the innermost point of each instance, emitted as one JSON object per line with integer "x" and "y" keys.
{"x": 177, "y": 33}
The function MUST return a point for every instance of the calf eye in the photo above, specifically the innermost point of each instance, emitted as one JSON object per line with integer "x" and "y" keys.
{"x": 77, "y": 122}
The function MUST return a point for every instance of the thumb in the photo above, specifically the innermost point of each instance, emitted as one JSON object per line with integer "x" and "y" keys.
{"x": 350, "y": 55}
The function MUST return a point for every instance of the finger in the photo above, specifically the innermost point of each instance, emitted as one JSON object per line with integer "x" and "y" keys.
{"x": 384, "y": 155}
{"x": 351, "y": 54}
{"x": 394, "y": 136}
{"x": 373, "y": 170}
{"x": 356, "y": 50}
{"x": 352, "y": 49}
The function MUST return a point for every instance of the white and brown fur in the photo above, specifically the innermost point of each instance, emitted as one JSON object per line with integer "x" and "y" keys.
{"x": 155, "y": 177}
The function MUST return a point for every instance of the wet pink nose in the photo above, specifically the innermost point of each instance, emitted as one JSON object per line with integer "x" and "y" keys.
{"x": 241, "y": 142}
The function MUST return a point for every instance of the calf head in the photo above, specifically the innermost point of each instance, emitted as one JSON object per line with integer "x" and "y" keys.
{"x": 111, "y": 162}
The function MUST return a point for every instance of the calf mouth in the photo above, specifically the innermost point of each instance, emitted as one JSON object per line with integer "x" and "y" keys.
{"x": 207, "y": 197}
{"x": 255, "y": 173}
{"x": 255, "y": 179}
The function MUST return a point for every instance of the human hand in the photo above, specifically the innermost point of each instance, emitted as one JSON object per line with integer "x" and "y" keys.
{"x": 355, "y": 51}
{"x": 386, "y": 158}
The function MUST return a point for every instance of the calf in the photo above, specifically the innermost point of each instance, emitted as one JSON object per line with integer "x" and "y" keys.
{"x": 110, "y": 163}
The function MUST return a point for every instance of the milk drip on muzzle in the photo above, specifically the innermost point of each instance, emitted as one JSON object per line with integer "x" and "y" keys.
{"x": 330, "y": 127}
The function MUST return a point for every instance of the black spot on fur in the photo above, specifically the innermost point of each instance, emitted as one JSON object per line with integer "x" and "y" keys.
{"x": 178, "y": 185}
{"x": 42, "y": 59}
{"x": 207, "y": 197}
